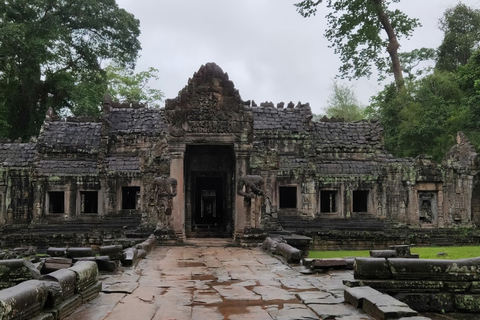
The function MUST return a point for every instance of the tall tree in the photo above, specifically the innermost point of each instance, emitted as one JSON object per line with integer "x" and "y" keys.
{"x": 461, "y": 28}
{"x": 50, "y": 49}
{"x": 354, "y": 30}
{"x": 343, "y": 103}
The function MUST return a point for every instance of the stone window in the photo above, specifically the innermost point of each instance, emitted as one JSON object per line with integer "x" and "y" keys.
{"x": 89, "y": 201}
{"x": 56, "y": 202}
{"x": 288, "y": 197}
{"x": 328, "y": 201}
{"x": 360, "y": 201}
{"x": 130, "y": 198}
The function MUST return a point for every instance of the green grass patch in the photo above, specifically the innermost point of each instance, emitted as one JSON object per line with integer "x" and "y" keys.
{"x": 424, "y": 252}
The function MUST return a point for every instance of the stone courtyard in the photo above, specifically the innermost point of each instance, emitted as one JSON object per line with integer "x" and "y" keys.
{"x": 218, "y": 282}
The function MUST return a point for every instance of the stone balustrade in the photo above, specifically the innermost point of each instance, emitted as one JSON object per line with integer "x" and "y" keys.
{"x": 55, "y": 296}
{"x": 424, "y": 284}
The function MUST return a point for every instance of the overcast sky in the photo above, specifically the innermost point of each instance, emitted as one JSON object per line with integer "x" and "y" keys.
{"x": 269, "y": 51}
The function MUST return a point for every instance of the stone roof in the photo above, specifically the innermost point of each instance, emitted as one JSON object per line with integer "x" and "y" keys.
{"x": 70, "y": 136}
{"x": 67, "y": 167}
{"x": 118, "y": 164}
{"x": 361, "y": 134}
{"x": 145, "y": 121}
{"x": 288, "y": 119}
{"x": 16, "y": 155}
{"x": 340, "y": 167}
{"x": 289, "y": 162}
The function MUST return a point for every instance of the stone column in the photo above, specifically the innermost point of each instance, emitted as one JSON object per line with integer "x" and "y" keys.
{"x": 177, "y": 154}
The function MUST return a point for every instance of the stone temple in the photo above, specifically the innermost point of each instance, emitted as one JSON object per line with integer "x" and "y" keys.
{"x": 210, "y": 164}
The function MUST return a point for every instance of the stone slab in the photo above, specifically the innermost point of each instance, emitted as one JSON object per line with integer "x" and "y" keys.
{"x": 355, "y": 296}
{"x": 386, "y": 307}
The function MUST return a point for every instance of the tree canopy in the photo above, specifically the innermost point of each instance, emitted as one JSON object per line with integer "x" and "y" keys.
{"x": 343, "y": 103}
{"x": 51, "y": 53}
{"x": 355, "y": 32}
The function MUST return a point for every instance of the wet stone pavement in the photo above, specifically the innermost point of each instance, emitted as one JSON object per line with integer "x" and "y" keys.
{"x": 218, "y": 283}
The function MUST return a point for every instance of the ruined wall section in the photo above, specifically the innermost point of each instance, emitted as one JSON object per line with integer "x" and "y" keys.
{"x": 135, "y": 152}
{"x": 462, "y": 183}
{"x": 65, "y": 168}
{"x": 283, "y": 156}
{"x": 15, "y": 188}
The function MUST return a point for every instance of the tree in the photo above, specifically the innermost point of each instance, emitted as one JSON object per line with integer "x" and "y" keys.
{"x": 127, "y": 86}
{"x": 461, "y": 28}
{"x": 354, "y": 28}
{"x": 51, "y": 50}
{"x": 344, "y": 104}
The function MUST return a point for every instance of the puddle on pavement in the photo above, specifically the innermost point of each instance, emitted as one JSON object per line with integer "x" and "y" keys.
{"x": 190, "y": 264}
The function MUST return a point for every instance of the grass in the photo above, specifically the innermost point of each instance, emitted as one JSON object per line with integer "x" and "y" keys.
{"x": 424, "y": 252}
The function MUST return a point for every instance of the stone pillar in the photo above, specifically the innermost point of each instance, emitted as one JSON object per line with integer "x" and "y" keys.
{"x": 177, "y": 155}
{"x": 239, "y": 215}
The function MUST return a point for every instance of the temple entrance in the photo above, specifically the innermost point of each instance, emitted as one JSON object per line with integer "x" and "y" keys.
{"x": 209, "y": 191}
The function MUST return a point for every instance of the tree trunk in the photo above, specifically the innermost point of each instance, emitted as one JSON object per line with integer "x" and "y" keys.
{"x": 393, "y": 44}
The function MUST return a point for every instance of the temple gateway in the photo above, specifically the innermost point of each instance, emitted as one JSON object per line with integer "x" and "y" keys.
{"x": 210, "y": 164}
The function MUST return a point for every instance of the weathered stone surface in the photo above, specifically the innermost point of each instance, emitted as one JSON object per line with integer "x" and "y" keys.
{"x": 115, "y": 252}
{"x": 87, "y": 274}
{"x": 331, "y": 311}
{"x": 428, "y": 302}
{"x": 290, "y": 253}
{"x": 393, "y": 286}
{"x": 386, "y": 307}
{"x": 131, "y": 256}
{"x": 17, "y": 270}
{"x": 76, "y": 252}
{"x": 434, "y": 269}
{"x": 467, "y": 302}
{"x": 355, "y": 296}
{"x": 292, "y": 312}
{"x": 67, "y": 280}
{"x": 57, "y": 252}
{"x": 383, "y": 253}
{"x": 328, "y": 263}
{"x": 269, "y": 293}
{"x": 371, "y": 268}
{"x": 23, "y": 301}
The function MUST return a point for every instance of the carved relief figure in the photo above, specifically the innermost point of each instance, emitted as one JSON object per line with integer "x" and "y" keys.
{"x": 164, "y": 189}
{"x": 250, "y": 186}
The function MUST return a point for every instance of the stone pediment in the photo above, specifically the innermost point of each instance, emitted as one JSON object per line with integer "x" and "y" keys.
{"x": 209, "y": 104}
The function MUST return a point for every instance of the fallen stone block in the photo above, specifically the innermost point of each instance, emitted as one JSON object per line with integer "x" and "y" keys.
{"x": 270, "y": 245}
{"x": 431, "y": 269}
{"x": 130, "y": 257}
{"x": 67, "y": 280}
{"x": 54, "y": 264}
{"x": 395, "y": 286}
{"x": 23, "y": 301}
{"x": 141, "y": 254}
{"x": 91, "y": 292}
{"x": 57, "y": 252}
{"x": 467, "y": 303}
{"x": 115, "y": 252}
{"x": 103, "y": 263}
{"x": 290, "y": 253}
{"x": 149, "y": 244}
{"x": 383, "y": 253}
{"x": 44, "y": 316}
{"x": 402, "y": 250}
{"x": 386, "y": 307}
{"x": 355, "y": 296}
{"x": 66, "y": 307}
{"x": 428, "y": 302}
{"x": 333, "y": 263}
{"x": 87, "y": 274}
{"x": 371, "y": 268}
{"x": 17, "y": 270}
{"x": 77, "y": 252}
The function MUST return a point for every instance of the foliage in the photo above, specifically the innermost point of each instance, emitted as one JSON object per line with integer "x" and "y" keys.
{"x": 126, "y": 86}
{"x": 50, "y": 55}
{"x": 424, "y": 118}
{"x": 461, "y": 28}
{"x": 343, "y": 103}
{"x": 354, "y": 31}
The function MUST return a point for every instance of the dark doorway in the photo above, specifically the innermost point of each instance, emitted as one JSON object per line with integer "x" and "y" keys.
{"x": 288, "y": 197}
{"x": 360, "y": 201}
{"x": 88, "y": 201}
{"x": 130, "y": 197}
{"x": 209, "y": 191}
{"x": 56, "y": 202}
{"x": 208, "y": 202}
{"x": 328, "y": 201}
